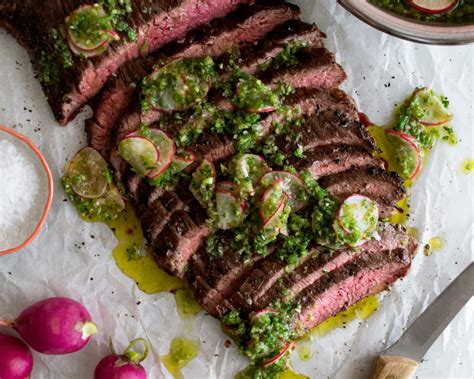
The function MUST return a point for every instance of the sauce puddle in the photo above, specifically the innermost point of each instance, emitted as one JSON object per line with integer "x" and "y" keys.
{"x": 135, "y": 260}
{"x": 182, "y": 351}
{"x": 467, "y": 166}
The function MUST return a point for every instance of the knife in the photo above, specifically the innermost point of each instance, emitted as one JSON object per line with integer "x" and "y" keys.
{"x": 401, "y": 360}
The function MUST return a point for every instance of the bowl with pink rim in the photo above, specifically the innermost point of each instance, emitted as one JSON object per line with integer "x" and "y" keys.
{"x": 26, "y": 191}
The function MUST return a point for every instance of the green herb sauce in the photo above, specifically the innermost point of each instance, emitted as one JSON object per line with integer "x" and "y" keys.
{"x": 462, "y": 13}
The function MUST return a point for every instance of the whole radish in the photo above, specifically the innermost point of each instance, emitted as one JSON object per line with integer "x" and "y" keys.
{"x": 57, "y": 325}
{"x": 16, "y": 361}
{"x": 124, "y": 366}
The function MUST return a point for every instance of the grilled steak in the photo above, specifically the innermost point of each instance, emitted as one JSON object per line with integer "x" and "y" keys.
{"x": 246, "y": 25}
{"x": 156, "y": 23}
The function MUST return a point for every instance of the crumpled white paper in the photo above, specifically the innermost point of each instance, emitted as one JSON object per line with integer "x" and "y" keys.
{"x": 65, "y": 260}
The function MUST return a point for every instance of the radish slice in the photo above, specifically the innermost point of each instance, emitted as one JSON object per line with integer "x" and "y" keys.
{"x": 167, "y": 149}
{"x": 246, "y": 170}
{"x": 140, "y": 153}
{"x": 111, "y": 201}
{"x": 262, "y": 312}
{"x": 429, "y": 109}
{"x": 88, "y": 173}
{"x": 408, "y": 155}
{"x": 229, "y": 187}
{"x": 178, "y": 85}
{"x": 203, "y": 183}
{"x": 357, "y": 216}
{"x": 89, "y": 30}
{"x": 434, "y": 6}
{"x": 230, "y": 210}
{"x": 291, "y": 184}
{"x": 183, "y": 159}
{"x": 277, "y": 357}
{"x": 277, "y": 222}
{"x": 272, "y": 200}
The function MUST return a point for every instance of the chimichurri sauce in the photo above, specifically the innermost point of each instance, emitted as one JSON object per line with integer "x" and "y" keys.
{"x": 463, "y": 12}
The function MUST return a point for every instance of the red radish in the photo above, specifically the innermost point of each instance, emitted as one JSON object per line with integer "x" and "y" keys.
{"x": 435, "y": 112}
{"x": 167, "y": 149}
{"x": 230, "y": 210}
{"x": 16, "y": 361}
{"x": 409, "y": 155}
{"x": 123, "y": 366}
{"x": 141, "y": 153}
{"x": 292, "y": 185}
{"x": 228, "y": 186}
{"x": 57, "y": 325}
{"x": 203, "y": 183}
{"x": 285, "y": 350}
{"x": 261, "y": 312}
{"x": 274, "y": 221}
{"x": 433, "y": 6}
{"x": 271, "y": 201}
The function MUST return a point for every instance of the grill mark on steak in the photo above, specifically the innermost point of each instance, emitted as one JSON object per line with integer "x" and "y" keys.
{"x": 246, "y": 25}
{"x": 166, "y": 21}
{"x": 367, "y": 274}
{"x": 333, "y": 159}
{"x": 384, "y": 187}
{"x": 269, "y": 281}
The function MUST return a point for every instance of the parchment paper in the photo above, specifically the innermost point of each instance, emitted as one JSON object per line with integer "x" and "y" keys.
{"x": 66, "y": 261}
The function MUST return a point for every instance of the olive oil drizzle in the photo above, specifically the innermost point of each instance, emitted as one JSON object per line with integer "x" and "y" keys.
{"x": 182, "y": 351}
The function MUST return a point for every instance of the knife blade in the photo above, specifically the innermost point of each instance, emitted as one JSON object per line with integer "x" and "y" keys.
{"x": 401, "y": 359}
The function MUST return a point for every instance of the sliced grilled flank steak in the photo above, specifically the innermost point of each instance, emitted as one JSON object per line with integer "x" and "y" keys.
{"x": 333, "y": 159}
{"x": 156, "y": 23}
{"x": 273, "y": 280}
{"x": 385, "y": 187}
{"x": 244, "y": 26}
{"x": 130, "y": 120}
{"x": 316, "y": 68}
{"x": 367, "y": 274}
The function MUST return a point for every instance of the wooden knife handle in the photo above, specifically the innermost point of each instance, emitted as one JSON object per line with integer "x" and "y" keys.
{"x": 394, "y": 367}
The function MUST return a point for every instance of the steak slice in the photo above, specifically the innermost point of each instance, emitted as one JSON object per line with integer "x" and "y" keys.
{"x": 245, "y": 25}
{"x": 333, "y": 159}
{"x": 156, "y": 23}
{"x": 272, "y": 278}
{"x": 384, "y": 187}
{"x": 316, "y": 68}
{"x": 367, "y": 274}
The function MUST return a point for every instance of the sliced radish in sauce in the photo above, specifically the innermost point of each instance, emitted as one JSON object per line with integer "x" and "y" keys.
{"x": 247, "y": 169}
{"x": 88, "y": 173}
{"x": 262, "y": 312}
{"x": 140, "y": 152}
{"x": 228, "y": 186}
{"x": 230, "y": 210}
{"x": 277, "y": 222}
{"x": 433, "y": 6}
{"x": 286, "y": 348}
{"x": 291, "y": 184}
{"x": 112, "y": 201}
{"x": 203, "y": 183}
{"x": 434, "y": 112}
{"x": 272, "y": 200}
{"x": 409, "y": 156}
{"x": 167, "y": 149}
{"x": 358, "y": 217}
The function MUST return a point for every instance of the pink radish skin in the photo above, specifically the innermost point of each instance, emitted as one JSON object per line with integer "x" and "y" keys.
{"x": 16, "y": 361}
{"x": 271, "y": 361}
{"x": 411, "y": 141}
{"x": 57, "y": 325}
{"x": 426, "y": 7}
{"x": 118, "y": 367}
{"x": 124, "y": 366}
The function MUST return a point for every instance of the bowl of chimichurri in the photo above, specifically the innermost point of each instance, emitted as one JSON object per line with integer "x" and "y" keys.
{"x": 440, "y": 22}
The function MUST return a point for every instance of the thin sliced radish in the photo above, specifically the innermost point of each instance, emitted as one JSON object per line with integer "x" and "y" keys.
{"x": 203, "y": 183}
{"x": 167, "y": 149}
{"x": 88, "y": 173}
{"x": 88, "y": 18}
{"x": 433, "y": 111}
{"x": 277, "y": 223}
{"x": 409, "y": 156}
{"x": 228, "y": 186}
{"x": 254, "y": 96}
{"x": 434, "y": 6}
{"x": 272, "y": 200}
{"x": 269, "y": 362}
{"x": 246, "y": 170}
{"x": 141, "y": 153}
{"x": 230, "y": 211}
{"x": 262, "y": 312}
{"x": 358, "y": 217}
{"x": 111, "y": 201}
{"x": 292, "y": 185}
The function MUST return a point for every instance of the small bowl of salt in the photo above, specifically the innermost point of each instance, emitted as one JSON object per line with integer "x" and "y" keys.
{"x": 26, "y": 191}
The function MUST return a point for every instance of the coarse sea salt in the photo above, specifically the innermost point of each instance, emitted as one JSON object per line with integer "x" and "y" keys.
{"x": 20, "y": 192}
